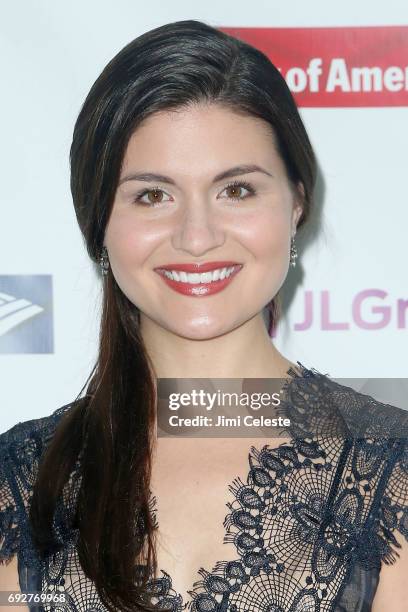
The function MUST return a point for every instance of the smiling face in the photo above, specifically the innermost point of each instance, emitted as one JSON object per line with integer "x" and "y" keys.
{"x": 198, "y": 218}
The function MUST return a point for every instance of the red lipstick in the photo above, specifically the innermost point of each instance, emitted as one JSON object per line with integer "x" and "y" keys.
{"x": 198, "y": 289}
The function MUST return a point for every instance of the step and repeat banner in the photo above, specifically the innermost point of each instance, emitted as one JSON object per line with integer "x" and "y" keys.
{"x": 346, "y": 302}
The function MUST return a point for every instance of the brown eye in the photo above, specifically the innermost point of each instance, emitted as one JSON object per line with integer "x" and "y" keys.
{"x": 235, "y": 190}
{"x": 154, "y": 195}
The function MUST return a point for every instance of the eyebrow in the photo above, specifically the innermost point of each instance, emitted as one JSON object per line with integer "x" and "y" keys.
{"x": 235, "y": 171}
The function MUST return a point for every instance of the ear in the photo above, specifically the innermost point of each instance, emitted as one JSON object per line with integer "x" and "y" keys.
{"x": 298, "y": 200}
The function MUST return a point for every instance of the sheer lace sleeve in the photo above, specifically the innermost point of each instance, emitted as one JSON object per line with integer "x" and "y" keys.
{"x": 9, "y": 523}
{"x": 378, "y": 468}
{"x": 393, "y": 507}
{"x": 21, "y": 448}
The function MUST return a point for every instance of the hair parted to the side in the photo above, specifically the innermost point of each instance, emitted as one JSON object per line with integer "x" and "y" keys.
{"x": 111, "y": 427}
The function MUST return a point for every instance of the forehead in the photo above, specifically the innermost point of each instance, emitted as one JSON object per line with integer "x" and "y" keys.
{"x": 200, "y": 135}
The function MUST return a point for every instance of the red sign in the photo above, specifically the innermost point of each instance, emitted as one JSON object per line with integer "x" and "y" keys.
{"x": 339, "y": 66}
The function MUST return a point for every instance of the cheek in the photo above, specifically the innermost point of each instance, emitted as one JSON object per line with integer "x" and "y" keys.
{"x": 129, "y": 242}
{"x": 267, "y": 234}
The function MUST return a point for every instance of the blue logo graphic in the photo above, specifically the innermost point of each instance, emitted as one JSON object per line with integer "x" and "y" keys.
{"x": 26, "y": 314}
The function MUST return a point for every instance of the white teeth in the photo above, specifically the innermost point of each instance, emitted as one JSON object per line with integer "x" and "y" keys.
{"x": 196, "y": 278}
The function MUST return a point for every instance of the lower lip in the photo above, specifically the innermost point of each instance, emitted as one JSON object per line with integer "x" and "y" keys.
{"x": 199, "y": 289}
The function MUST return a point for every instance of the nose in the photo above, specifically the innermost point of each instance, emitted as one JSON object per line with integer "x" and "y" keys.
{"x": 199, "y": 228}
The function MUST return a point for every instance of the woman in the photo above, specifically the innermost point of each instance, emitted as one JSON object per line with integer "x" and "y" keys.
{"x": 189, "y": 154}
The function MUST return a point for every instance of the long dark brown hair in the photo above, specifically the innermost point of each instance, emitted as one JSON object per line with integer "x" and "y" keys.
{"x": 110, "y": 427}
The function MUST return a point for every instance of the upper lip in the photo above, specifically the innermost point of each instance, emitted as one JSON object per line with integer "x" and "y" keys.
{"x": 198, "y": 267}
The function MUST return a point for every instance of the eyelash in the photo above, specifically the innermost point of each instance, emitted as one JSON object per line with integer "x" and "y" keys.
{"x": 243, "y": 184}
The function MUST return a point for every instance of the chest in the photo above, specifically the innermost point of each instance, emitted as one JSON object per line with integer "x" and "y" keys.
{"x": 191, "y": 483}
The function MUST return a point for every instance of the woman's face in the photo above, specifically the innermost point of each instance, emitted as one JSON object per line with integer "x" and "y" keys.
{"x": 190, "y": 216}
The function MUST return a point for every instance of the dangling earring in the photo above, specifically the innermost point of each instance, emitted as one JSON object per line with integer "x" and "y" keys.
{"x": 104, "y": 261}
{"x": 293, "y": 252}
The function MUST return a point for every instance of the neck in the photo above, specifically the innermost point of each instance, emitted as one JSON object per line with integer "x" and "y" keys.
{"x": 245, "y": 352}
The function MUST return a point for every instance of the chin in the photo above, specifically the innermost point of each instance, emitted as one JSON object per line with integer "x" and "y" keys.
{"x": 199, "y": 330}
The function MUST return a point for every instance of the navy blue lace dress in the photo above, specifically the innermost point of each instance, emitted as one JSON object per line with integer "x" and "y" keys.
{"x": 312, "y": 525}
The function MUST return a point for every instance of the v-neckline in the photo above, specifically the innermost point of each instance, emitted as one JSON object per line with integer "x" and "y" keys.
{"x": 292, "y": 376}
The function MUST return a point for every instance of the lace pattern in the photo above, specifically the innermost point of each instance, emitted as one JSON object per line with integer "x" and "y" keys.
{"x": 312, "y": 522}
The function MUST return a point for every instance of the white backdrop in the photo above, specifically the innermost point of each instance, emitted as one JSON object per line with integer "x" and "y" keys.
{"x": 51, "y": 53}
